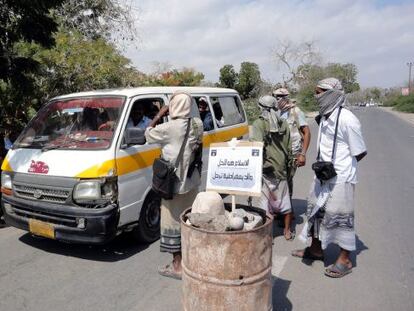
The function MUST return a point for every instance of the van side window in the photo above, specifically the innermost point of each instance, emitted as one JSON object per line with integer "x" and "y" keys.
{"x": 227, "y": 110}
{"x": 143, "y": 111}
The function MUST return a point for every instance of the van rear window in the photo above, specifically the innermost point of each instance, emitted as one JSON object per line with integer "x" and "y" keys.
{"x": 227, "y": 110}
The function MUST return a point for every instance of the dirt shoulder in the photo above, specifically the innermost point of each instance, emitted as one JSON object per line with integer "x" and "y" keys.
{"x": 409, "y": 117}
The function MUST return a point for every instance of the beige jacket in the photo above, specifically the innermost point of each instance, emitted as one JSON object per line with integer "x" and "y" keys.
{"x": 171, "y": 135}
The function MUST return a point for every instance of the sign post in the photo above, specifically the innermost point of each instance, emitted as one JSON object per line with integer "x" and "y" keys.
{"x": 235, "y": 168}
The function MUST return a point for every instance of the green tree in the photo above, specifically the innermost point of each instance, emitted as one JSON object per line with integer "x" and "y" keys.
{"x": 249, "y": 80}
{"x": 77, "y": 64}
{"x": 21, "y": 21}
{"x": 311, "y": 74}
{"x": 346, "y": 73}
{"x": 174, "y": 77}
{"x": 228, "y": 77}
{"x": 375, "y": 93}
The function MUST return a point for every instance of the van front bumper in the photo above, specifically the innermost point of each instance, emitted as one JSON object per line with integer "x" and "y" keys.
{"x": 70, "y": 224}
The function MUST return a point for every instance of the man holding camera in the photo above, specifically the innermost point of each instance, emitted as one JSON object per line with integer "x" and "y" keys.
{"x": 330, "y": 212}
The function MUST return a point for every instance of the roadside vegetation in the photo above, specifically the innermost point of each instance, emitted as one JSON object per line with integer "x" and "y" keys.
{"x": 401, "y": 103}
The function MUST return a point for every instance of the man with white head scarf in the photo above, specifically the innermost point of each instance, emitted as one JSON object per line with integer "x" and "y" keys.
{"x": 171, "y": 135}
{"x": 277, "y": 161}
{"x": 299, "y": 129}
{"x": 330, "y": 212}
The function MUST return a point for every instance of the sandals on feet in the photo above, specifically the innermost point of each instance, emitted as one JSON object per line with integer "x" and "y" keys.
{"x": 169, "y": 272}
{"x": 291, "y": 237}
{"x": 337, "y": 270}
{"x": 306, "y": 254}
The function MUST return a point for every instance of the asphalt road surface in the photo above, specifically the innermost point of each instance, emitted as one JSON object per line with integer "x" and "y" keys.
{"x": 39, "y": 274}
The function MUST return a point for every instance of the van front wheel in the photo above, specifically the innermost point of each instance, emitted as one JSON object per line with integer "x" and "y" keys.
{"x": 148, "y": 229}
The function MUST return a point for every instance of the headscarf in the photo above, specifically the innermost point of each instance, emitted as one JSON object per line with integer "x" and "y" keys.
{"x": 267, "y": 105}
{"x": 332, "y": 98}
{"x": 180, "y": 106}
{"x": 283, "y": 102}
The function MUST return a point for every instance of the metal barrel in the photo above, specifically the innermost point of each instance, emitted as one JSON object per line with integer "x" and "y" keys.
{"x": 226, "y": 270}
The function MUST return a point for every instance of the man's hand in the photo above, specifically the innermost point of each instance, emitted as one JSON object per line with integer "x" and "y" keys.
{"x": 163, "y": 111}
{"x": 107, "y": 125}
{"x": 300, "y": 160}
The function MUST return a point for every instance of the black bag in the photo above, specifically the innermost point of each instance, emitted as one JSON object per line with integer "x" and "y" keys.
{"x": 325, "y": 170}
{"x": 163, "y": 172}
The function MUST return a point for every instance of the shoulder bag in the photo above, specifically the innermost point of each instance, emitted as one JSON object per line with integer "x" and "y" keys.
{"x": 164, "y": 177}
{"x": 325, "y": 170}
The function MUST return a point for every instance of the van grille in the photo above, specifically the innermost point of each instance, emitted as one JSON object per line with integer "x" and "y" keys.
{"x": 41, "y": 194}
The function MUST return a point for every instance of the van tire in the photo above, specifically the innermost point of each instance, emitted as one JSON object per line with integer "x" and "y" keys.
{"x": 148, "y": 229}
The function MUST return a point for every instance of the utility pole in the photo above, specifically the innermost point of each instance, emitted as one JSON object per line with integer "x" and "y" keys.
{"x": 409, "y": 64}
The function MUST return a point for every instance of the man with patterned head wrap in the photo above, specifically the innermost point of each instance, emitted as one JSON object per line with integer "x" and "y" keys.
{"x": 277, "y": 161}
{"x": 299, "y": 129}
{"x": 171, "y": 135}
{"x": 330, "y": 212}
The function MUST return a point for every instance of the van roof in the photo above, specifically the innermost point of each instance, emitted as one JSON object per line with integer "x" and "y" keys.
{"x": 129, "y": 92}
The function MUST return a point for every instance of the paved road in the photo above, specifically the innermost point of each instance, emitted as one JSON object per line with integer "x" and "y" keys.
{"x": 37, "y": 274}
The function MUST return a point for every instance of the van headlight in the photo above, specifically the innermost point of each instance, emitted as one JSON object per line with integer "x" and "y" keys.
{"x": 96, "y": 193}
{"x": 6, "y": 181}
{"x": 87, "y": 190}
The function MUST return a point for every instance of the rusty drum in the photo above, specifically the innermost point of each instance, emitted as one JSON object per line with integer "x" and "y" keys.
{"x": 226, "y": 270}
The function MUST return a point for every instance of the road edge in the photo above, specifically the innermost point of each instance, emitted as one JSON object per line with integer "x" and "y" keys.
{"x": 406, "y": 116}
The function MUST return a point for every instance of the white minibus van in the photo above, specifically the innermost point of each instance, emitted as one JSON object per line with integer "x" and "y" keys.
{"x": 69, "y": 177}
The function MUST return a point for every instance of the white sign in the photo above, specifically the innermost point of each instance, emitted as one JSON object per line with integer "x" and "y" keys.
{"x": 237, "y": 169}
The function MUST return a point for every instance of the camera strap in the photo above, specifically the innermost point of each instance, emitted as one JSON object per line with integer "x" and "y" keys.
{"x": 334, "y": 140}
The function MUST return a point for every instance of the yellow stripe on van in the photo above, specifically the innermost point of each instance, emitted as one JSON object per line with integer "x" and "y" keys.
{"x": 145, "y": 159}
{"x": 103, "y": 169}
{"x": 223, "y": 136}
{"x": 6, "y": 166}
{"x": 137, "y": 161}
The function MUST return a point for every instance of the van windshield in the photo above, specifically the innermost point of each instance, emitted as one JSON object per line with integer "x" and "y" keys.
{"x": 74, "y": 123}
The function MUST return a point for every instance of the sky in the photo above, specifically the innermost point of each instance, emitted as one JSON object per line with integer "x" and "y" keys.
{"x": 375, "y": 35}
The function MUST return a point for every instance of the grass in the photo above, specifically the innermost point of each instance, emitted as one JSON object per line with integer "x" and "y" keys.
{"x": 402, "y": 103}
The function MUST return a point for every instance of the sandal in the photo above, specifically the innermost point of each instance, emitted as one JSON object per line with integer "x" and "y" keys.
{"x": 168, "y": 271}
{"x": 306, "y": 254}
{"x": 291, "y": 237}
{"x": 337, "y": 270}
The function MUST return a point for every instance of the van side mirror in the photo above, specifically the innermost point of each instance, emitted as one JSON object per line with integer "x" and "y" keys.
{"x": 134, "y": 136}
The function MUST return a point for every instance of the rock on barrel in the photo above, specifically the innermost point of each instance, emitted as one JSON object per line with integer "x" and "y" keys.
{"x": 226, "y": 270}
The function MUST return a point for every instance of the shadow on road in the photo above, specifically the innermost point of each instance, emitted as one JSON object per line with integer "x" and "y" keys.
{"x": 280, "y": 288}
{"x": 122, "y": 247}
{"x": 299, "y": 209}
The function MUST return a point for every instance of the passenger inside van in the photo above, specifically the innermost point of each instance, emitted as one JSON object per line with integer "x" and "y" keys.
{"x": 137, "y": 118}
{"x": 205, "y": 114}
{"x": 89, "y": 119}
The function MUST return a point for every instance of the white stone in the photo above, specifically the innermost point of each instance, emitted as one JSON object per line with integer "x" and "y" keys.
{"x": 208, "y": 202}
{"x": 236, "y": 222}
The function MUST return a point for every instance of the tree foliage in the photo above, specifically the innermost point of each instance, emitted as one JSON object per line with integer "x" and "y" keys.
{"x": 21, "y": 21}
{"x": 248, "y": 84}
{"x": 228, "y": 77}
{"x": 77, "y": 64}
